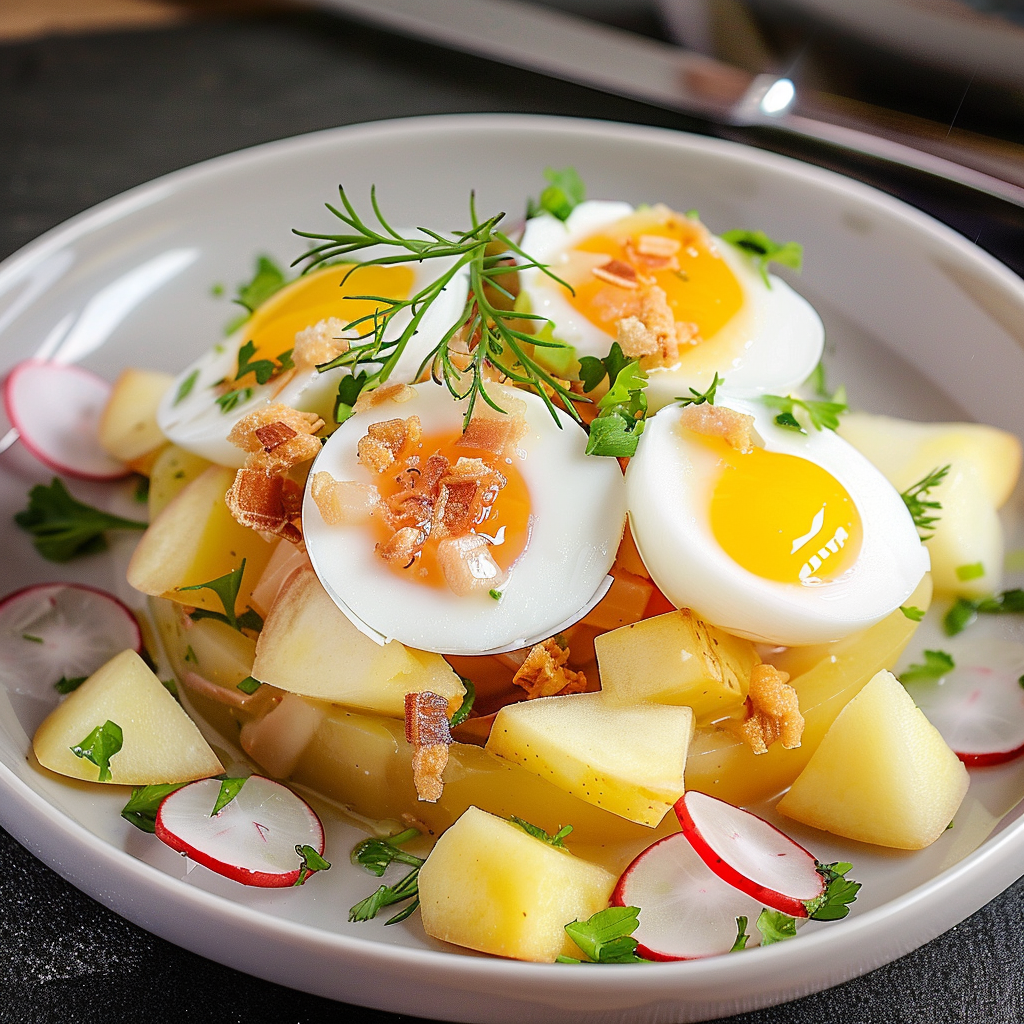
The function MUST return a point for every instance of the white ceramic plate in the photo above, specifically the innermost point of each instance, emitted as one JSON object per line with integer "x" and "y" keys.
{"x": 920, "y": 323}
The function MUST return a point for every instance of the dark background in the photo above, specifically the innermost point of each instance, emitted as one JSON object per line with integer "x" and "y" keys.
{"x": 83, "y": 117}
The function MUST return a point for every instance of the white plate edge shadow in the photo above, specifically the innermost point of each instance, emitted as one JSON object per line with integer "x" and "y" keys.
{"x": 695, "y": 985}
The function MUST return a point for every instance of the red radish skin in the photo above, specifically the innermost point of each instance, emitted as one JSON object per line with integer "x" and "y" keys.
{"x": 252, "y": 840}
{"x": 50, "y": 630}
{"x": 750, "y": 853}
{"x": 56, "y": 410}
{"x": 686, "y": 911}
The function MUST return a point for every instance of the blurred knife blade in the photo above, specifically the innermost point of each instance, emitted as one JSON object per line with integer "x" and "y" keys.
{"x": 571, "y": 48}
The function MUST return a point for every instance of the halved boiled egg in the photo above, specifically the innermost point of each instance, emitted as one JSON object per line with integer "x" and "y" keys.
{"x": 700, "y": 297}
{"x": 289, "y": 334}
{"x": 462, "y": 543}
{"x": 796, "y": 540}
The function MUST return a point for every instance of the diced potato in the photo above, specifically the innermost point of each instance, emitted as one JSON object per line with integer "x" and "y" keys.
{"x": 678, "y": 659}
{"x": 308, "y": 646}
{"x": 194, "y": 540}
{"x": 128, "y": 429}
{"x": 160, "y": 742}
{"x": 882, "y": 773}
{"x": 173, "y": 470}
{"x": 283, "y": 562}
{"x": 490, "y": 886}
{"x": 279, "y": 739}
{"x": 826, "y": 678}
{"x": 628, "y": 760}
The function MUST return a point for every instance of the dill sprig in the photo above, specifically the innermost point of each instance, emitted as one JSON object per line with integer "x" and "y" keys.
{"x": 915, "y": 498}
{"x": 491, "y": 333}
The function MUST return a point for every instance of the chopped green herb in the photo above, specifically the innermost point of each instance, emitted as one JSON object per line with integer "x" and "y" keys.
{"x": 32, "y": 638}
{"x": 145, "y": 802}
{"x": 264, "y": 369}
{"x": 742, "y": 938}
{"x": 787, "y": 419}
{"x": 700, "y": 397}
{"x": 1020, "y": 682}
{"x": 618, "y": 426}
{"x": 913, "y": 613}
{"x": 349, "y": 388}
{"x": 539, "y": 833}
{"x": 66, "y": 685}
{"x": 311, "y": 862}
{"x": 594, "y": 370}
{"x": 974, "y": 571}
{"x": 775, "y": 926}
{"x": 226, "y": 588}
{"x": 230, "y": 399}
{"x": 936, "y": 664}
{"x": 763, "y": 250}
{"x": 141, "y": 492}
{"x": 376, "y": 854}
{"x": 229, "y": 789}
{"x": 388, "y": 895}
{"x": 248, "y": 685}
{"x": 833, "y": 903}
{"x": 561, "y": 197}
{"x": 822, "y": 415}
{"x": 190, "y": 655}
{"x": 693, "y": 213}
{"x": 606, "y": 937}
{"x": 914, "y": 498}
{"x": 171, "y": 687}
{"x": 267, "y": 279}
{"x": 817, "y": 382}
{"x": 496, "y": 594}
{"x": 216, "y": 290}
{"x": 963, "y": 612}
{"x": 186, "y": 386}
{"x": 100, "y": 746}
{"x": 63, "y": 528}
{"x": 462, "y": 713}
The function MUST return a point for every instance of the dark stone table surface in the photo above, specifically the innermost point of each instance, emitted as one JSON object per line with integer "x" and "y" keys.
{"x": 83, "y": 118}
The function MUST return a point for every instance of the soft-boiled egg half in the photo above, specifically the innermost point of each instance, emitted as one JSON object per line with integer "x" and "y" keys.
{"x": 798, "y": 540}
{"x": 539, "y": 546}
{"x": 211, "y": 395}
{"x": 763, "y": 338}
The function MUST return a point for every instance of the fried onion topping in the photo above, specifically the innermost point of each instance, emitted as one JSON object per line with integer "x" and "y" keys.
{"x": 773, "y": 712}
{"x": 735, "y": 428}
{"x": 543, "y": 673}
{"x": 427, "y": 729}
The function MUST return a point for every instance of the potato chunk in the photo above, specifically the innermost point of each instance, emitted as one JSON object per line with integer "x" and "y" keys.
{"x": 128, "y": 429}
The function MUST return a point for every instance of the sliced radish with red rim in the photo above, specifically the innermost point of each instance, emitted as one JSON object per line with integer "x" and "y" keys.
{"x": 56, "y": 410}
{"x": 251, "y": 840}
{"x": 747, "y": 852}
{"x": 54, "y": 631}
{"x": 686, "y": 911}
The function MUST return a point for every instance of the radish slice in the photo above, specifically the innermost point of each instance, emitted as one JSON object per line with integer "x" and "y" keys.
{"x": 60, "y": 630}
{"x": 978, "y": 707}
{"x": 56, "y": 410}
{"x": 686, "y": 910}
{"x": 251, "y": 840}
{"x": 748, "y": 853}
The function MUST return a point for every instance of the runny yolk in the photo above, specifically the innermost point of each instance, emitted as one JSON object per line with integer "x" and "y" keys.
{"x": 504, "y": 513}
{"x": 782, "y": 517}
{"x": 699, "y": 285}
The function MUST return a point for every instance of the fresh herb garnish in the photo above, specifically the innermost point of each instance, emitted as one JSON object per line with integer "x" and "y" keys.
{"x": 190, "y": 655}
{"x": 833, "y": 903}
{"x": 145, "y": 802}
{"x": 171, "y": 687}
{"x": 349, "y": 388}
{"x": 63, "y": 527}
{"x": 936, "y": 664}
{"x": 817, "y": 381}
{"x": 375, "y": 855}
{"x": 186, "y": 386}
{"x": 264, "y": 369}
{"x": 483, "y": 252}
{"x": 742, "y": 938}
{"x": 696, "y": 397}
{"x": 230, "y": 399}
{"x": 462, "y": 713}
{"x": 822, "y": 415}
{"x": 100, "y": 746}
{"x": 32, "y": 638}
{"x": 561, "y": 197}
{"x": 594, "y": 370}
{"x": 229, "y": 789}
{"x": 775, "y": 926}
{"x": 141, "y": 492}
{"x": 912, "y": 612}
{"x": 973, "y": 571}
{"x": 267, "y": 279}
{"x": 249, "y": 685}
{"x": 964, "y": 611}
{"x": 763, "y": 250}
{"x": 311, "y": 862}
{"x": 606, "y": 937}
{"x": 914, "y": 498}
{"x": 66, "y": 685}
{"x": 618, "y": 426}
{"x": 539, "y": 833}
{"x": 226, "y": 588}
{"x": 495, "y": 594}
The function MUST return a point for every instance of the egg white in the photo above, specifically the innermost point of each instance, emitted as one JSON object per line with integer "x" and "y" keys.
{"x": 771, "y": 345}
{"x": 197, "y": 423}
{"x": 578, "y": 508}
{"x": 669, "y": 486}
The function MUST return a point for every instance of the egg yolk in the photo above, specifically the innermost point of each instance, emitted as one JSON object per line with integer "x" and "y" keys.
{"x": 317, "y": 296}
{"x": 782, "y": 517}
{"x": 675, "y": 253}
{"x": 501, "y": 511}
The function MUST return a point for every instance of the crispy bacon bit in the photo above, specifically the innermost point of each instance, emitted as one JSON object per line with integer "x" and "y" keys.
{"x": 344, "y": 502}
{"x": 270, "y": 504}
{"x": 320, "y": 343}
{"x": 273, "y": 435}
{"x": 385, "y": 441}
{"x": 657, "y": 245}
{"x": 403, "y": 546}
{"x": 687, "y": 333}
{"x": 461, "y": 495}
{"x": 544, "y": 674}
{"x": 773, "y": 712}
{"x": 652, "y": 334}
{"x": 400, "y": 393}
{"x": 736, "y": 428}
{"x": 468, "y": 566}
{"x": 426, "y": 728}
{"x": 496, "y": 432}
{"x": 264, "y": 434}
{"x": 620, "y": 274}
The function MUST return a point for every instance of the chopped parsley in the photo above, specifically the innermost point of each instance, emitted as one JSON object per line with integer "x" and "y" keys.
{"x": 594, "y": 370}
{"x": 974, "y": 571}
{"x": 618, "y": 426}
{"x": 100, "y": 746}
{"x": 539, "y": 833}
{"x": 32, "y": 638}
{"x": 249, "y": 685}
{"x": 66, "y": 685}
{"x": 229, "y": 789}
{"x": 936, "y": 664}
{"x": 349, "y": 388}
{"x": 742, "y": 938}
{"x": 145, "y": 802}
{"x": 920, "y": 509}
{"x": 700, "y": 397}
{"x": 822, "y": 415}
{"x": 911, "y": 612}
{"x": 226, "y": 588}
{"x": 833, "y": 903}
{"x": 564, "y": 193}
{"x": 775, "y": 926}
{"x": 817, "y": 381}
{"x": 267, "y": 279}
{"x": 466, "y": 706}
{"x": 311, "y": 862}
{"x": 606, "y": 937}
{"x": 375, "y": 855}
{"x": 186, "y": 386}
{"x": 964, "y": 611}
{"x": 230, "y": 399}
{"x": 264, "y": 369}
{"x": 762, "y": 250}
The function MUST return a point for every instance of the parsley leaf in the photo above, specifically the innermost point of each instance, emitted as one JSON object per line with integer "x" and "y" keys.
{"x": 594, "y": 370}
{"x": 914, "y": 498}
{"x": 229, "y": 789}
{"x": 974, "y": 571}
{"x": 386, "y": 896}
{"x": 376, "y": 854}
{"x": 742, "y": 938}
{"x": 467, "y": 703}
{"x": 66, "y": 685}
{"x": 186, "y": 386}
{"x": 561, "y": 197}
{"x": 700, "y": 397}
{"x": 263, "y": 368}
{"x": 606, "y": 937}
{"x": 833, "y": 903}
{"x": 539, "y": 833}
{"x": 267, "y": 279}
{"x": 775, "y": 926}
{"x": 100, "y": 746}
{"x": 311, "y": 862}
{"x": 249, "y": 685}
{"x": 349, "y": 388}
{"x": 913, "y": 613}
{"x": 230, "y": 399}
{"x": 964, "y": 611}
{"x": 763, "y": 250}
{"x": 817, "y": 382}
{"x": 821, "y": 414}
{"x": 226, "y": 588}
{"x": 618, "y": 426}
{"x": 145, "y": 802}
{"x": 63, "y": 527}
{"x": 936, "y": 664}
